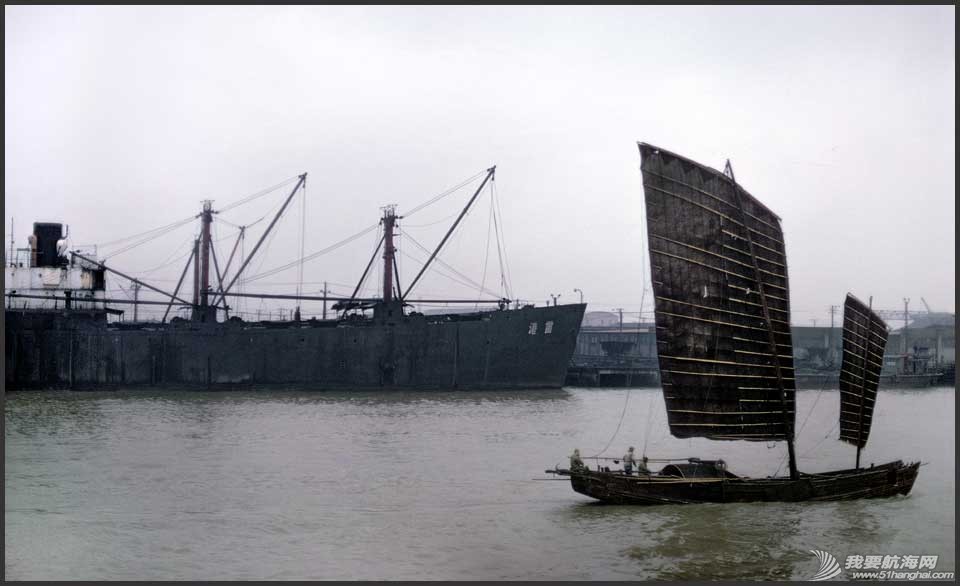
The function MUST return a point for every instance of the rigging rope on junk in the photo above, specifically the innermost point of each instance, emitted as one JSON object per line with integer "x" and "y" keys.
{"x": 616, "y": 431}
{"x": 823, "y": 386}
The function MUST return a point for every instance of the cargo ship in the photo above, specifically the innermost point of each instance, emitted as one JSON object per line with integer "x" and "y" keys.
{"x": 59, "y": 333}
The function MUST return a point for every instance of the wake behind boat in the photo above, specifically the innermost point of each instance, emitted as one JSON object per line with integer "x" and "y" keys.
{"x": 722, "y": 310}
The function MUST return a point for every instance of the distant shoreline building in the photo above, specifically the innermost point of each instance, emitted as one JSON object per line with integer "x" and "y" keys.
{"x": 612, "y": 353}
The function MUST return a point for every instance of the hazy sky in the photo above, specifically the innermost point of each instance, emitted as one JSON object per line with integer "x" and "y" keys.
{"x": 840, "y": 119}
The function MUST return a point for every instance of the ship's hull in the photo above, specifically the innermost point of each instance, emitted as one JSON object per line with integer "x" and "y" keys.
{"x": 495, "y": 350}
{"x": 875, "y": 482}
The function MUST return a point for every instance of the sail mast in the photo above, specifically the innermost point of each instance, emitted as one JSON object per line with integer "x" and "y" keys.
{"x": 863, "y": 386}
{"x": 788, "y": 431}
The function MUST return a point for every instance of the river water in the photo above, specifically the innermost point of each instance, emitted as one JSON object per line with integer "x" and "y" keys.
{"x": 396, "y": 485}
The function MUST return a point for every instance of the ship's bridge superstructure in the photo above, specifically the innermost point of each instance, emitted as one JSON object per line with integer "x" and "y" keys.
{"x": 44, "y": 275}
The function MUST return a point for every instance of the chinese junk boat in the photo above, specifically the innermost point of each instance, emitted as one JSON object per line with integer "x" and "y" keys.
{"x": 719, "y": 276}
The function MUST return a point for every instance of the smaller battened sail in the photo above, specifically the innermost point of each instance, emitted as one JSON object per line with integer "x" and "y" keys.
{"x": 864, "y": 339}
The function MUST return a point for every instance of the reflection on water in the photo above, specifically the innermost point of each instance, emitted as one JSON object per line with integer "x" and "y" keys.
{"x": 450, "y": 485}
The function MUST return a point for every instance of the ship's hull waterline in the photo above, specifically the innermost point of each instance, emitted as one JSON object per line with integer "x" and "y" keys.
{"x": 508, "y": 349}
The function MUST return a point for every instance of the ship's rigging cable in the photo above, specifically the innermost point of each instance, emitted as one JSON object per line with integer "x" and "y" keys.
{"x": 263, "y": 257}
{"x": 347, "y": 240}
{"x": 258, "y": 194}
{"x": 170, "y": 259}
{"x": 153, "y": 236}
{"x": 474, "y": 284}
{"x": 303, "y": 232}
{"x": 251, "y": 224}
{"x": 176, "y": 224}
{"x": 486, "y": 255}
{"x": 439, "y": 272}
{"x": 314, "y": 255}
{"x": 366, "y": 273}
{"x": 444, "y": 219}
{"x": 440, "y": 196}
{"x": 505, "y": 277}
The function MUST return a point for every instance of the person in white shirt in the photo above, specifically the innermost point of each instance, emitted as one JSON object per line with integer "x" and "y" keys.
{"x": 629, "y": 462}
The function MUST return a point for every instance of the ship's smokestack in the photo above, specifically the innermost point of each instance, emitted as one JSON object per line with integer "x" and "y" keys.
{"x": 46, "y": 235}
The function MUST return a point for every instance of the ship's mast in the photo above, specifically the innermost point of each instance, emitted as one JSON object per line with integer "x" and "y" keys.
{"x": 389, "y": 219}
{"x": 206, "y": 218}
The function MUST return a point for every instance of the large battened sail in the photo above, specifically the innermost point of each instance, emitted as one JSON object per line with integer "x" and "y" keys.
{"x": 864, "y": 339}
{"x": 719, "y": 274}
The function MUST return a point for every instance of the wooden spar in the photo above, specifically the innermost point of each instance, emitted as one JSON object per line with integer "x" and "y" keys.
{"x": 788, "y": 432}
{"x": 367, "y": 270}
{"x": 196, "y": 273}
{"x": 179, "y": 283}
{"x": 93, "y": 300}
{"x": 713, "y": 211}
{"x": 263, "y": 237}
{"x": 128, "y": 277}
{"x": 863, "y": 385}
{"x": 396, "y": 275}
{"x": 490, "y": 173}
{"x": 358, "y": 300}
{"x": 216, "y": 267}
{"x": 226, "y": 268}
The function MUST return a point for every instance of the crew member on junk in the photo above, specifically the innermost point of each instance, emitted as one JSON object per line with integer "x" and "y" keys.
{"x": 576, "y": 463}
{"x": 629, "y": 462}
{"x": 642, "y": 466}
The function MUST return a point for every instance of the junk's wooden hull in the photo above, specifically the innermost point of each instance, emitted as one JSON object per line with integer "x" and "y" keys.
{"x": 875, "y": 482}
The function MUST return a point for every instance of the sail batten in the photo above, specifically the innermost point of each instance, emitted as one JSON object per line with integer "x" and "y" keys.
{"x": 721, "y": 303}
{"x": 864, "y": 339}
